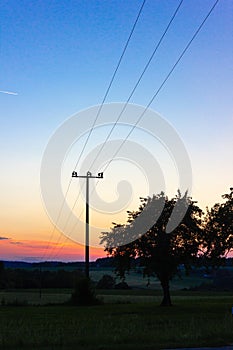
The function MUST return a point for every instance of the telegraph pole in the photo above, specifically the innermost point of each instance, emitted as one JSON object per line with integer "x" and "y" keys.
{"x": 87, "y": 177}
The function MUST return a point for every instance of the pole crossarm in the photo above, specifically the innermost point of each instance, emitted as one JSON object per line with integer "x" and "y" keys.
{"x": 87, "y": 177}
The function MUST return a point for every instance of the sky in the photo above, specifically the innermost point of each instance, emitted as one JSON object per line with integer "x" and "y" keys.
{"x": 59, "y": 57}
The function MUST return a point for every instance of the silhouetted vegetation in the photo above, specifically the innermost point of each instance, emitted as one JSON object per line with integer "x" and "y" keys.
{"x": 122, "y": 285}
{"x": 223, "y": 280}
{"x": 217, "y": 234}
{"x": 160, "y": 253}
{"x": 106, "y": 282}
{"x": 198, "y": 239}
{"x": 84, "y": 293}
{"x": 25, "y": 278}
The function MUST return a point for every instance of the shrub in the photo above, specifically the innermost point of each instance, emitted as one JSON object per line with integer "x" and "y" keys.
{"x": 106, "y": 282}
{"x": 223, "y": 280}
{"x": 84, "y": 293}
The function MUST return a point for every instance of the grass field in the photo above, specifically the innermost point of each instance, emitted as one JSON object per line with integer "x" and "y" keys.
{"x": 136, "y": 280}
{"x": 129, "y": 320}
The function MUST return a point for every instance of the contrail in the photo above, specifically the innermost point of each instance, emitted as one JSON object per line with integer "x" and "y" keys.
{"x": 9, "y": 92}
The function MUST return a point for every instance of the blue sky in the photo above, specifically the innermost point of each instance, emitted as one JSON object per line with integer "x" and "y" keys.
{"x": 59, "y": 57}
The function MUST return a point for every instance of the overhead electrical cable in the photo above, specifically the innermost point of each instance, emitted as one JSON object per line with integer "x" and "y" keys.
{"x": 138, "y": 81}
{"x": 95, "y": 120}
{"x": 158, "y": 91}
{"x": 131, "y": 94}
{"x": 163, "y": 83}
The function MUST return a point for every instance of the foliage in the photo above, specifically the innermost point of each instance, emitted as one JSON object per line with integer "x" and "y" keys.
{"x": 84, "y": 293}
{"x": 122, "y": 285}
{"x": 24, "y": 279}
{"x": 106, "y": 282}
{"x": 217, "y": 238}
{"x": 2, "y": 275}
{"x": 160, "y": 253}
{"x": 223, "y": 280}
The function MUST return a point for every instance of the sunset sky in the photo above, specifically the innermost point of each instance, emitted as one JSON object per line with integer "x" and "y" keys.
{"x": 59, "y": 57}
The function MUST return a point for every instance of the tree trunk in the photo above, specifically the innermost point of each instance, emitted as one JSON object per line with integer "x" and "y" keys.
{"x": 166, "y": 293}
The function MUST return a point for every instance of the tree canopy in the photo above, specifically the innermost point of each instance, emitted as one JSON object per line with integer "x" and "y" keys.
{"x": 160, "y": 252}
{"x": 217, "y": 238}
{"x": 209, "y": 237}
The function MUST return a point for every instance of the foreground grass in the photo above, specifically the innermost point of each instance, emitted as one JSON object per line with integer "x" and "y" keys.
{"x": 32, "y": 296}
{"x": 193, "y": 321}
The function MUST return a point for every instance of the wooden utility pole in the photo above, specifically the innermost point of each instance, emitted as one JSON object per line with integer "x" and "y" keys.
{"x": 87, "y": 177}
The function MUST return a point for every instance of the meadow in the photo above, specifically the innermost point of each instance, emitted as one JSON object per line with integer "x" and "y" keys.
{"x": 126, "y": 319}
{"x": 139, "y": 285}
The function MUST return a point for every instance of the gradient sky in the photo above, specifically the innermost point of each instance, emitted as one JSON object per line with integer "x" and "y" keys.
{"x": 59, "y": 57}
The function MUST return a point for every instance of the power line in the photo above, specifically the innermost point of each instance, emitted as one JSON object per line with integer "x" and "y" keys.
{"x": 163, "y": 83}
{"x": 138, "y": 81}
{"x": 96, "y": 118}
{"x": 110, "y": 84}
{"x": 56, "y": 222}
{"x": 159, "y": 89}
{"x": 126, "y": 103}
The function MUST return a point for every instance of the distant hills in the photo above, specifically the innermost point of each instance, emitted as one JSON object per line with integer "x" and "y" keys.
{"x": 100, "y": 262}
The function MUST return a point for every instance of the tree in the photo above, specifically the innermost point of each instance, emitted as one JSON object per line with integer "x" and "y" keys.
{"x": 217, "y": 238}
{"x": 2, "y": 275}
{"x": 160, "y": 253}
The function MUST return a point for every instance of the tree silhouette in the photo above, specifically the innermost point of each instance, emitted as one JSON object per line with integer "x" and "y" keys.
{"x": 2, "y": 275}
{"x": 160, "y": 253}
{"x": 217, "y": 238}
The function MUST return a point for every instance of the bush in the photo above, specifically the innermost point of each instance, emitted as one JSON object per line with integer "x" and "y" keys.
{"x": 84, "y": 293}
{"x": 223, "y": 280}
{"x": 106, "y": 282}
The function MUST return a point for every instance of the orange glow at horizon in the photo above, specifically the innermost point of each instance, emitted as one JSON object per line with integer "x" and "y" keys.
{"x": 35, "y": 250}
